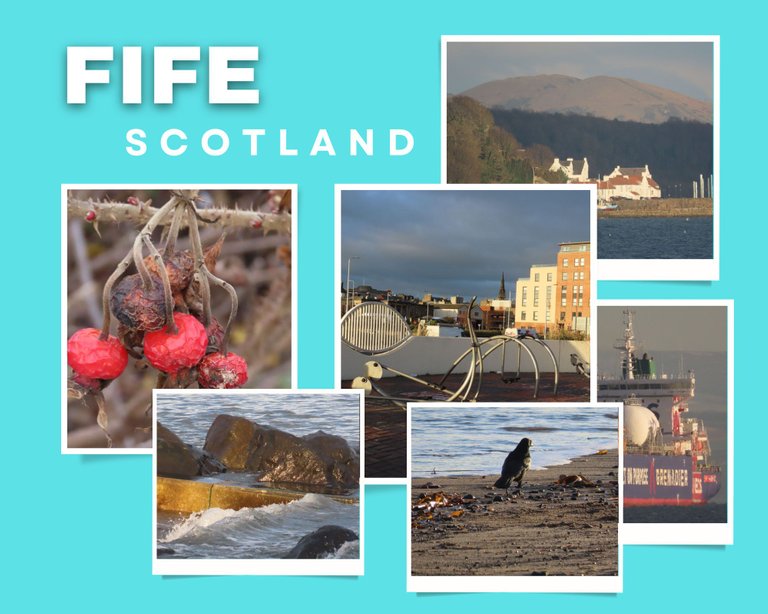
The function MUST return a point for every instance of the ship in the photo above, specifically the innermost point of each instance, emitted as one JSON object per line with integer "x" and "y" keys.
{"x": 663, "y": 464}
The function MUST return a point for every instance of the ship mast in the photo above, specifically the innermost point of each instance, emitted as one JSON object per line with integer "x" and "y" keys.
{"x": 627, "y": 346}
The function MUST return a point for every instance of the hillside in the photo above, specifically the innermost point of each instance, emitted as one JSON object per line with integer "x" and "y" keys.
{"x": 675, "y": 151}
{"x": 605, "y": 97}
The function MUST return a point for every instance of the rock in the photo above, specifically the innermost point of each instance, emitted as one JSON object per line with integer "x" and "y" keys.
{"x": 175, "y": 459}
{"x": 161, "y": 551}
{"x": 278, "y": 456}
{"x": 326, "y": 540}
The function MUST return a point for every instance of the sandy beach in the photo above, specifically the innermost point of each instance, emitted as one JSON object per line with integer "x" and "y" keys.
{"x": 548, "y": 529}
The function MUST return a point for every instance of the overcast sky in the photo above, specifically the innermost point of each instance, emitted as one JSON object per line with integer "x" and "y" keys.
{"x": 678, "y": 328}
{"x": 682, "y": 66}
{"x": 455, "y": 242}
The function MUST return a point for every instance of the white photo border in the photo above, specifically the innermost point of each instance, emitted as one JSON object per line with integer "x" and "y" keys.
{"x": 437, "y": 187}
{"x": 618, "y": 269}
{"x": 262, "y": 567}
{"x": 65, "y": 187}
{"x": 517, "y": 584}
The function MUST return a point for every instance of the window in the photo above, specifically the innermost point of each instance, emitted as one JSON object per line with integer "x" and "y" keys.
{"x": 563, "y": 302}
{"x": 525, "y": 295}
{"x": 549, "y": 294}
{"x": 549, "y": 276}
{"x": 562, "y": 316}
{"x": 522, "y": 316}
{"x": 565, "y": 276}
{"x": 535, "y": 316}
{"x": 565, "y": 261}
{"x": 581, "y": 303}
{"x": 536, "y": 296}
{"x": 535, "y": 277}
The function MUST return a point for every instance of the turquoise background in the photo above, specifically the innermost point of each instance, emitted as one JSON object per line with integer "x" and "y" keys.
{"x": 77, "y": 529}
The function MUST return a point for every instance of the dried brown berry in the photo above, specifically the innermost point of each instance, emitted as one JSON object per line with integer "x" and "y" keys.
{"x": 179, "y": 266}
{"x": 137, "y": 307}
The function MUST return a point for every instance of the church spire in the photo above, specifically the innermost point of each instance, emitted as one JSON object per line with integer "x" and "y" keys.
{"x": 502, "y": 289}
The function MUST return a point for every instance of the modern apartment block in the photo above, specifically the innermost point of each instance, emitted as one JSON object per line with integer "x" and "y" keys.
{"x": 573, "y": 271}
{"x": 535, "y": 298}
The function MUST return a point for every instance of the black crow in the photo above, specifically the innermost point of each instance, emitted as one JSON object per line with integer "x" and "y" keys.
{"x": 516, "y": 465}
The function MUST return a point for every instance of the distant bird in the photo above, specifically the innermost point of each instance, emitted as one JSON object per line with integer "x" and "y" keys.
{"x": 517, "y": 463}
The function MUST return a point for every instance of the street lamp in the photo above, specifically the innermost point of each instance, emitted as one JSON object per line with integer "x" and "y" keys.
{"x": 349, "y": 266}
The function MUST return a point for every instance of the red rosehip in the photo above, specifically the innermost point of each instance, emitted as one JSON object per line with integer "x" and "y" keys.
{"x": 132, "y": 200}
{"x": 90, "y": 216}
{"x": 169, "y": 353}
{"x": 220, "y": 371}
{"x": 88, "y": 383}
{"x": 93, "y": 358}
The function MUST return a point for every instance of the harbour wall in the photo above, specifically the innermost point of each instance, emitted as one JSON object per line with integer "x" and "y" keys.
{"x": 660, "y": 207}
{"x": 435, "y": 355}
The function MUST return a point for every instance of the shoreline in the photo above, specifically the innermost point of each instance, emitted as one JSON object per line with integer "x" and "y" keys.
{"x": 660, "y": 207}
{"x": 549, "y": 529}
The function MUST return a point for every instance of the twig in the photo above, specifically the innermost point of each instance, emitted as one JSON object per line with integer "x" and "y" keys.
{"x": 170, "y": 324}
{"x": 223, "y": 218}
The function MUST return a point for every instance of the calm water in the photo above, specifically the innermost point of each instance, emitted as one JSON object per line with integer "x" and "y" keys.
{"x": 270, "y": 531}
{"x": 190, "y": 415}
{"x": 467, "y": 440}
{"x": 655, "y": 237}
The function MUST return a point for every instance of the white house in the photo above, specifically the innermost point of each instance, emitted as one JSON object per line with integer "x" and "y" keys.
{"x": 577, "y": 171}
{"x": 627, "y": 182}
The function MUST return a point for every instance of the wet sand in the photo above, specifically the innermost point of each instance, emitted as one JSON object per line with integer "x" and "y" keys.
{"x": 548, "y": 529}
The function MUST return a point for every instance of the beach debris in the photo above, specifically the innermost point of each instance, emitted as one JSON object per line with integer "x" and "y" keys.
{"x": 430, "y": 485}
{"x": 575, "y": 481}
{"x": 432, "y": 509}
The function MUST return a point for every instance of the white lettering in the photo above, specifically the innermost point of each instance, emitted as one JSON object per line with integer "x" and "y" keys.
{"x": 254, "y": 133}
{"x": 220, "y": 75}
{"x": 166, "y": 75}
{"x": 355, "y": 140}
{"x": 284, "y": 151}
{"x": 394, "y": 135}
{"x": 322, "y": 143}
{"x": 165, "y": 138}
{"x": 78, "y": 74}
{"x": 206, "y": 145}
{"x": 134, "y": 137}
{"x": 131, "y": 75}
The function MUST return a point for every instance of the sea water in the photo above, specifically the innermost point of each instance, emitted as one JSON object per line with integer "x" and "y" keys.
{"x": 655, "y": 237}
{"x": 270, "y": 531}
{"x": 474, "y": 440}
{"x": 267, "y": 532}
{"x": 190, "y": 415}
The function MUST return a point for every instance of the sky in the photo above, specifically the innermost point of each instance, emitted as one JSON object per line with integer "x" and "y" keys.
{"x": 684, "y": 67}
{"x": 695, "y": 335}
{"x": 455, "y": 242}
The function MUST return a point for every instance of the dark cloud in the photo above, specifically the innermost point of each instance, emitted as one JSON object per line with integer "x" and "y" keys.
{"x": 684, "y": 67}
{"x": 456, "y": 242}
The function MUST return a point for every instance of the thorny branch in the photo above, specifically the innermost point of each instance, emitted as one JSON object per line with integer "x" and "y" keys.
{"x": 107, "y": 211}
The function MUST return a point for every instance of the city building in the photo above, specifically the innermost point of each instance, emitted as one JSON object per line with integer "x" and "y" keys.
{"x": 535, "y": 298}
{"x": 573, "y": 296}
